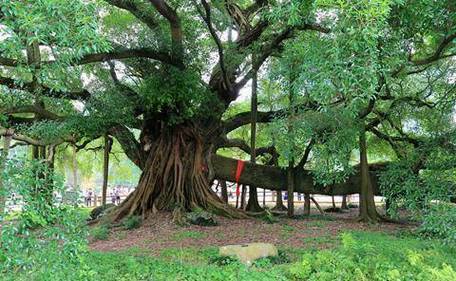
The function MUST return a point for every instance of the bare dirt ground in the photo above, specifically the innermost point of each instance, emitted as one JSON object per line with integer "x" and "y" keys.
{"x": 317, "y": 231}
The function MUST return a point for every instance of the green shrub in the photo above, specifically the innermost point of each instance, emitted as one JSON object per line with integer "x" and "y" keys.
{"x": 223, "y": 260}
{"x": 132, "y": 222}
{"x": 46, "y": 233}
{"x": 376, "y": 257}
{"x": 268, "y": 217}
{"x": 100, "y": 232}
{"x": 268, "y": 262}
{"x": 440, "y": 223}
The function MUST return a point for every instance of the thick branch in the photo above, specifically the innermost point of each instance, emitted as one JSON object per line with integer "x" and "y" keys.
{"x": 121, "y": 53}
{"x": 174, "y": 22}
{"x": 129, "y": 144}
{"x": 74, "y": 95}
{"x": 274, "y": 178}
{"x": 138, "y": 9}
{"x": 438, "y": 53}
{"x": 241, "y": 144}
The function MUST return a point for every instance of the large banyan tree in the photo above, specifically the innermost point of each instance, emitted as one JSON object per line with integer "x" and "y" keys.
{"x": 72, "y": 71}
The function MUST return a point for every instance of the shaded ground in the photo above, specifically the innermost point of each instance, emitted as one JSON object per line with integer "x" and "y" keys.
{"x": 317, "y": 232}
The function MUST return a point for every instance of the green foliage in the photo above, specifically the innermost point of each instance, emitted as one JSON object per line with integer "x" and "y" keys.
{"x": 100, "y": 232}
{"x": 132, "y": 222}
{"x": 267, "y": 262}
{"x": 185, "y": 98}
{"x": 223, "y": 260}
{"x": 426, "y": 194}
{"x": 440, "y": 222}
{"x": 269, "y": 217}
{"x": 363, "y": 256}
{"x": 46, "y": 233}
{"x": 366, "y": 256}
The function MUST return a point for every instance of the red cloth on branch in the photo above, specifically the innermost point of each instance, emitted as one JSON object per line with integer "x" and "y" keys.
{"x": 239, "y": 169}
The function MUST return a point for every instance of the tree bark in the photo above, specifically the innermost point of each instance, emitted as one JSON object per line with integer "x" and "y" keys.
{"x": 344, "y": 205}
{"x": 306, "y": 204}
{"x": 107, "y": 150}
{"x": 290, "y": 190}
{"x": 253, "y": 205}
{"x": 243, "y": 196}
{"x": 367, "y": 209}
{"x": 3, "y": 158}
{"x": 224, "y": 191}
{"x": 175, "y": 177}
{"x": 279, "y": 204}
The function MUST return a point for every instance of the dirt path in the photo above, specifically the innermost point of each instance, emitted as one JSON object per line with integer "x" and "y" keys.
{"x": 159, "y": 233}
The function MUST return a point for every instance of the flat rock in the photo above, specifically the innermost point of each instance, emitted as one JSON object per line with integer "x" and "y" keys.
{"x": 247, "y": 253}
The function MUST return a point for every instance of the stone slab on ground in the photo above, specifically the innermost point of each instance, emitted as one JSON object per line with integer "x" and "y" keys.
{"x": 248, "y": 253}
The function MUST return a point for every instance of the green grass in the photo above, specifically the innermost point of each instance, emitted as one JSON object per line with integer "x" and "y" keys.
{"x": 360, "y": 256}
{"x": 188, "y": 234}
{"x": 318, "y": 241}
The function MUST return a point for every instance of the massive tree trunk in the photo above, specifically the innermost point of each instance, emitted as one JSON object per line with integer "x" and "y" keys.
{"x": 175, "y": 177}
{"x": 367, "y": 209}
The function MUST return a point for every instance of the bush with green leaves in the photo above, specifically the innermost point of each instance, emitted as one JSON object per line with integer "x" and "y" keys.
{"x": 440, "y": 223}
{"x": 374, "y": 257}
{"x": 132, "y": 222}
{"x": 425, "y": 194}
{"x": 46, "y": 233}
{"x": 100, "y": 232}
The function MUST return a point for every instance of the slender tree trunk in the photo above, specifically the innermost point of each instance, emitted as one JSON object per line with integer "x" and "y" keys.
{"x": 279, "y": 202}
{"x": 291, "y": 164}
{"x": 264, "y": 198}
{"x": 306, "y": 204}
{"x": 333, "y": 202}
{"x": 367, "y": 209}
{"x": 279, "y": 196}
{"x": 224, "y": 191}
{"x": 290, "y": 189}
{"x": 3, "y": 158}
{"x": 317, "y": 205}
{"x": 253, "y": 205}
{"x": 107, "y": 150}
{"x": 243, "y": 196}
{"x": 75, "y": 168}
{"x": 344, "y": 205}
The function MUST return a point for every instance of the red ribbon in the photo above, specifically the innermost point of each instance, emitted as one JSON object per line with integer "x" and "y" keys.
{"x": 240, "y": 167}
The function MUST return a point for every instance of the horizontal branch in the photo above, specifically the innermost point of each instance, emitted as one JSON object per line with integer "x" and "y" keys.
{"x": 122, "y": 53}
{"x": 275, "y": 178}
{"x": 244, "y": 118}
{"x": 74, "y": 95}
{"x": 241, "y": 144}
